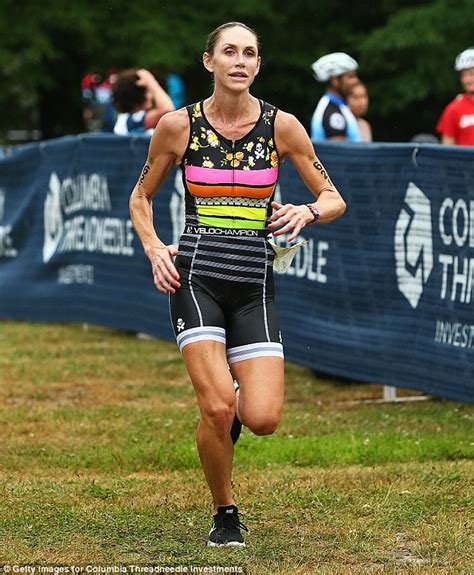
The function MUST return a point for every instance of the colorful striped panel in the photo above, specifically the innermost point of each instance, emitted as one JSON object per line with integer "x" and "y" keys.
{"x": 204, "y": 191}
{"x": 198, "y": 175}
{"x": 215, "y": 222}
{"x": 232, "y": 212}
{"x": 226, "y": 201}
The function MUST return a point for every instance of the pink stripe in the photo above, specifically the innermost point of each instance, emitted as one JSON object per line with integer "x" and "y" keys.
{"x": 250, "y": 177}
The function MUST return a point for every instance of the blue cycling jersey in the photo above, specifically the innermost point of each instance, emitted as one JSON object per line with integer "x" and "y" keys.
{"x": 333, "y": 117}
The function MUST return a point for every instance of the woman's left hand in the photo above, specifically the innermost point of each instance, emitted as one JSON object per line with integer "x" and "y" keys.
{"x": 291, "y": 218}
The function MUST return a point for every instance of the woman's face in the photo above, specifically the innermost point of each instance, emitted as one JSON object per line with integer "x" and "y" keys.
{"x": 358, "y": 101}
{"x": 235, "y": 61}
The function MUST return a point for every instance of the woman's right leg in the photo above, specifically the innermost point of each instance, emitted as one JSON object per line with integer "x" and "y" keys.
{"x": 206, "y": 363}
{"x": 199, "y": 326}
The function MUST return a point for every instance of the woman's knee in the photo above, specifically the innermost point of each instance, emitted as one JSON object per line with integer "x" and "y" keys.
{"x": 219, "y": 414}
{"x": 265, "y": 425}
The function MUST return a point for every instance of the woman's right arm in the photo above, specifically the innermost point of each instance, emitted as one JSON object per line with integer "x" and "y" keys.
{"x": 166, "y": 149}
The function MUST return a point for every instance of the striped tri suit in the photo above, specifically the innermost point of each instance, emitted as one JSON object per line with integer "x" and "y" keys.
{"x": 224, "y": 261}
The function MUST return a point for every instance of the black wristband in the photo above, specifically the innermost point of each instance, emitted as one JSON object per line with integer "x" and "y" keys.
{"x": 314, "y": 212}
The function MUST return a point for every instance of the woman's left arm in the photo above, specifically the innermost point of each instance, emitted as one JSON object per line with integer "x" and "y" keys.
{"x": 293, "y": 142}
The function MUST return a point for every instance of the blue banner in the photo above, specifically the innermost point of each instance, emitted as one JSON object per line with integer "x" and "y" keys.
{"x": 383, "y": 295}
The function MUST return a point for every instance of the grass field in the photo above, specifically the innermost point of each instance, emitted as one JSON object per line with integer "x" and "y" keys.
{"x": 98, "y": 466}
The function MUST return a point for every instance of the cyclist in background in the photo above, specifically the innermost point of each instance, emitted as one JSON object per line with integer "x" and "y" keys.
{"x": 332, "y": 118}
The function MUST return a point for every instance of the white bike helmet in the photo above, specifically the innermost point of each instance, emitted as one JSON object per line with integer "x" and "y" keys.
{"x": 464, "y": 60}
{"x": 333, "y": 64}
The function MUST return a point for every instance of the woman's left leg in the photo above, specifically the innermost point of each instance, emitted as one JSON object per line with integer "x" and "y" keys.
{"x": 262, "y": 392}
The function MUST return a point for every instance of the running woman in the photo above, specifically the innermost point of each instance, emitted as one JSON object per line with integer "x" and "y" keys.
{"x": 220, "y": 284}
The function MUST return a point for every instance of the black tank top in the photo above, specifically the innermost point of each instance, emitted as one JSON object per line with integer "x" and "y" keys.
{"x": 229, "y": 185}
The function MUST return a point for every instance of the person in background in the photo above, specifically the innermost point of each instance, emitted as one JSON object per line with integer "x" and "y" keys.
{"x": 140, "y": 102}
{"x": 96, "y": 97}
{"x": 109, "y": 116}
{"x": 456, "y": 124}
{"x": 333, "y": 119}
{"x": 358, "y": 102}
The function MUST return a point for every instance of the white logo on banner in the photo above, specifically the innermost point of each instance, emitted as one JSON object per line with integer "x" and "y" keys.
{"x": 66, "y": 230}
{"x": 53, "y": 218}
{"x": 7, "y": 250}
{"x": 415, "y": 259}
{"x": 76, "y": 274}
{"x": 414, "y": 244}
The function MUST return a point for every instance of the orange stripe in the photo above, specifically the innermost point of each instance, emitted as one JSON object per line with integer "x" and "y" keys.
{"x": 204, "y": 191}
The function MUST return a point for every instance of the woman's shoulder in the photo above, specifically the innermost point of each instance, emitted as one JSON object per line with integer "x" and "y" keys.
{"x": 285, "y": 120}
{"x": 290, "y": 133}
{"x": 173, "y": 126}
{"x": 278, "y": 114}
{"x": 172, "y": 132}
{"x": 176, "y": 120}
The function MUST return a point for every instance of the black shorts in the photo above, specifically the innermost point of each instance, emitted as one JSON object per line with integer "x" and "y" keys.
{"x": 226, "y": 295}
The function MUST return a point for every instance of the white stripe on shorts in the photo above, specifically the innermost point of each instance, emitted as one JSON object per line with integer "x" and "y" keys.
{"x": 201, "y": 334}
{"x": 266, "y": 349}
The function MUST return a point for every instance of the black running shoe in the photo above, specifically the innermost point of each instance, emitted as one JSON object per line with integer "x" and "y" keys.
{"x": 226, "y": 528}
{"x": 236, "y": 428}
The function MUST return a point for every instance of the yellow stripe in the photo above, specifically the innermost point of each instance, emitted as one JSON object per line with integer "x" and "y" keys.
{"x": 229, "y": 223}
{"x": 232, "y": 211}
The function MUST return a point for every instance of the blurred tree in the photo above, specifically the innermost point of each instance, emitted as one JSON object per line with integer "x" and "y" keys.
{"x": 405, "y": 50}
{"x": 44, "y": 50}
{"x": 409, "y": 65}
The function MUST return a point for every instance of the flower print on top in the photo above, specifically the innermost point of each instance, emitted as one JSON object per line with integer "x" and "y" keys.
{"x": 212, "y": 139}
{"x": 196, "y": 112}
{"x": 268, "y": 115}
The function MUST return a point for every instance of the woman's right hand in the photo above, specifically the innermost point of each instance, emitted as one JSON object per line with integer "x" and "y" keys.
{"x": 165, "y": 275}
